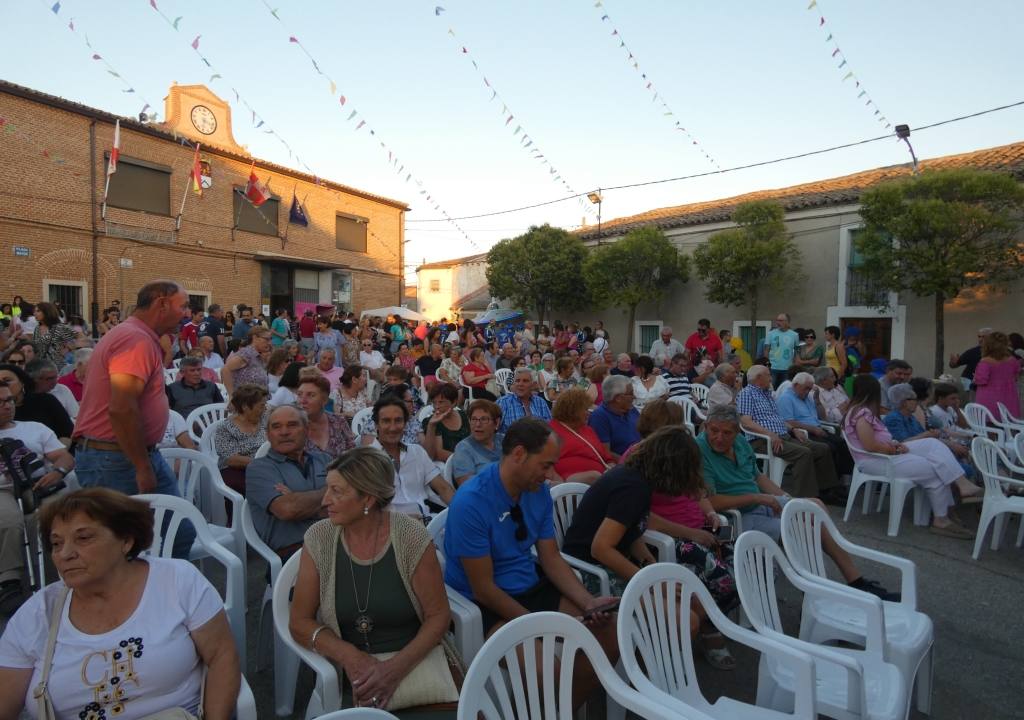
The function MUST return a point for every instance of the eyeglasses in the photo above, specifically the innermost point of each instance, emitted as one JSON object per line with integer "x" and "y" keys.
{"x": 16, "y": 362}
{"x": 516, "y": 513}
{"x": 11, "y": 401}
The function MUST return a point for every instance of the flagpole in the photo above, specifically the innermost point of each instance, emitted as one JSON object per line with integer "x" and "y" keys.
{"x": 184, "y": 195}
{"x": 287, "y": 226}
{"x": 113, "y": 160}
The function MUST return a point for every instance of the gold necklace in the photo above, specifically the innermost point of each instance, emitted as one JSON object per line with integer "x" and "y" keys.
{"x": 364, "y": 621}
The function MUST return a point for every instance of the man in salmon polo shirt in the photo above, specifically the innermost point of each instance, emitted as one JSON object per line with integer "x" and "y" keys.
{"x": 124, "y": 412}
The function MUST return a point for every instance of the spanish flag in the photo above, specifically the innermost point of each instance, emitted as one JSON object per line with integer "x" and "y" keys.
{"x": 197, "y": 174}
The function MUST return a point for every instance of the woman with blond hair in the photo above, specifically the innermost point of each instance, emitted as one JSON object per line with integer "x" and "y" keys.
{"x": 582, "y": 457}
{"x": 996, "y": 375}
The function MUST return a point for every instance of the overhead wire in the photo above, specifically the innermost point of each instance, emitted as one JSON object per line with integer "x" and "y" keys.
{"x": 723, "y": 171}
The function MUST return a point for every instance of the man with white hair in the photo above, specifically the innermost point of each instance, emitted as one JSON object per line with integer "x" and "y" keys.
{"x": 285, "y": 489}
{"x": 810, "y": 461}
{"x": 44, "y": 372}
{"x": 969, "y": 359}
{"x": 210, "y": 359}
{"x": 723, "y": 392}
{"x": 522, "y": 401}
{"x": 615, "y": 419}
{"x": 664, "y": 348}
{"x": 800, "y": 408}
{"x": 75, "y": 380}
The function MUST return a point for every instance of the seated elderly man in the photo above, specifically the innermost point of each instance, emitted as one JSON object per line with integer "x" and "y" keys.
{"x": 829, "y": 394}
{"x": 896, "y": 371}
{"x": 483, "y": 446}
{"x": 285, "y": 489}
{"x": 522, "y": 401}
{"x": 75, "y": 380}
{"x": 507, "y": 358}
{"x": 496, "y": 521}
{"x": 211, "y": 358}
{"x": 614, "y": 420}
{"x": 799, "y": 408}
{"x": 44, "y": 372}
{"x": 677, "y": 376}
{"x": 732, "y": 476}
{"x": 723, "y": 392}
{"x": 810, "y": 461}
{"x": 191, "y": 391}
{"x": 19, "y": 439}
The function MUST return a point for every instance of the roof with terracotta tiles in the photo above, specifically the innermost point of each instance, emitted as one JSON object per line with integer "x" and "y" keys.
{"x": 440, "y": 264}
{"x": 820, "y": 193}
{"x": 157, "y": 130}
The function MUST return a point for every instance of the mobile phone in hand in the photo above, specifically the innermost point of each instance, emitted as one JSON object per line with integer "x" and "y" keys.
{"x": 725, "y": 533}
{"x": 608, "y": 607}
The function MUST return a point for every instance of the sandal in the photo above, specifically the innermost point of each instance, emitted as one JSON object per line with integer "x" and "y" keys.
{"x": 719, "y": 658}
{"x": 952, "y": 530}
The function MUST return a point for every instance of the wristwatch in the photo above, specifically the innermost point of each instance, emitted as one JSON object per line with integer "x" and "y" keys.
{"x": 64, "y": 472}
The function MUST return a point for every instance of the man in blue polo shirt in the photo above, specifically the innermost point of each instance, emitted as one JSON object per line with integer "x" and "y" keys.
{"x": 494, "y": 521}
{"x": 614, "y": 421}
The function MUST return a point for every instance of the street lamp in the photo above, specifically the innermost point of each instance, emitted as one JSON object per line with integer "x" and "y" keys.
{"x": 595, "y": 197}
{"x": 903, "y": 133}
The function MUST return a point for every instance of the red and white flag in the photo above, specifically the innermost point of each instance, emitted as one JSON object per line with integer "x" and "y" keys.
{"x": 256, "y": 192}
{"x": 116, "y": 150}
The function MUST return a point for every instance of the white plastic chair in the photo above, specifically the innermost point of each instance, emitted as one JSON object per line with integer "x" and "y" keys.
{"x": 850, "y": 683}
{"x": 909, "y": 634}
{"x": 502, "y": 682}
{"x": 1018, "y": 446}
{"x": 326, "y": 695}
{"x": 984, "y": 423}
{"x": 223, "y": 390}
{"x": 503, "y": 378}
{"x": 657, "y": 652}
{"x": 176, "y": 363}
{"x": 200, "y": 482}
{"x": 987, "y": 456}
{"x": 170, "y": 374}
{"x": 1011, "y": 425}
{"x": 359, "y": 713}
{"x": 203, "y": 417}
{"x": 897, "y": 487}
{"x": 262, "y": 450}
{"x": 699, "y": 395}
{"x": 207, "y": 446}
{"x": 175, "y": 510}
{"x": 245, "y": 706}
{"x": 425, "y": 412}
{"x": 448, "y": 473}
{"x": 467, "y": 621}
{"x": 774, "y": 467}
{"x": 360, "y": 421}
{"x": 566, "y": 498}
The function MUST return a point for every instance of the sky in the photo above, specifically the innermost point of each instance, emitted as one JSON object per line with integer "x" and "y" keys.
{"x": 749, "y": 81}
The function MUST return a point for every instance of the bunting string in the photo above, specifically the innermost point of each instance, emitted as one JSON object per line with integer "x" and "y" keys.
{"x": 9, "y": 129}
{"x": 843, "y": 66}
{"x": 358, "y": 121}
{"x": 525, "y": 140}
{"x": 656, "y": 97}
{"x": 128, "y": 88}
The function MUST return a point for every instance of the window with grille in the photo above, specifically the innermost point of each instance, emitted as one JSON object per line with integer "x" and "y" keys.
{"x": 860, "y": 290}
{"x": 350, "y": 232}
{"x": 261, "y": 220}
{"x": 435, "y": 285}
{"x": 69, "y": 297}
{"x": 139, "y": 185}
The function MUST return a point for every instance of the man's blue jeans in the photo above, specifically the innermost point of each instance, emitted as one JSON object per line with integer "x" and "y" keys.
{"x": 113, "y": 469}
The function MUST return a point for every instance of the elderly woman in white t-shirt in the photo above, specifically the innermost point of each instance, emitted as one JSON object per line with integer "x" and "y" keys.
{"x": 133, "y": 635}
{"x": 830, "y": 394}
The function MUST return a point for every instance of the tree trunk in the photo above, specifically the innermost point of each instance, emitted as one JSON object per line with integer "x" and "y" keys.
{"x": 540, "y": 315}
{"x": 753, "y": 326}
{"x": 940, "y": 333}
{"x": 629, "y": 329}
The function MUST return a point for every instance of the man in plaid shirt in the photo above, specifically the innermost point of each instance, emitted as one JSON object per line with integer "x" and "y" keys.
{"x": 522, "y": 402}
{"x": 814, "y": 473}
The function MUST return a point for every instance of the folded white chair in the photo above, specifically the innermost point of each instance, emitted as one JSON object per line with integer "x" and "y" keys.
{"x": 657, "y": 652}
{"x": 502, "y": 682}
{"x": 909, "y": 633}
{"x": 850, "y": 683}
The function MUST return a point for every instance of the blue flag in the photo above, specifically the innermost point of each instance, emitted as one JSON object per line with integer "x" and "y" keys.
{"x": 296, "y": 214}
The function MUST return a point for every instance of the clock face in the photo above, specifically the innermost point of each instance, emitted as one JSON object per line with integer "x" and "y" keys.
{"x": 204, "y": 120}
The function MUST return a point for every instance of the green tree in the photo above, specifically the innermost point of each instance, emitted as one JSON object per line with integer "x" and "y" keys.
{"x": 538, "y": 269}
{"x": 739, "y": 265}
{"x": 640, "y": 267}
{"x": 939, "y": 233}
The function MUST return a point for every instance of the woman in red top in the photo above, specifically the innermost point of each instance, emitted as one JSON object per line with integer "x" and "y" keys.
{"x": 476, "y": 373}
{"x": 582, "y": 456}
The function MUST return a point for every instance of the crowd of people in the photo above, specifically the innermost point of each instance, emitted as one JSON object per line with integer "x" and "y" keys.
{"x": 347, "y": 436}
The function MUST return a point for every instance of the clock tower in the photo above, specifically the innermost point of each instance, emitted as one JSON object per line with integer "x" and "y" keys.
{"x": 195, "y": 112}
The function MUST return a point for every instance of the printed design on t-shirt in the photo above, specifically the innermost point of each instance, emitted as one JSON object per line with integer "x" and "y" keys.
{"x": 118, "y": 664}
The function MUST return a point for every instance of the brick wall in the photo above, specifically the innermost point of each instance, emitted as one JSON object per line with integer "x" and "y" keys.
{"x": 45, "y": 206}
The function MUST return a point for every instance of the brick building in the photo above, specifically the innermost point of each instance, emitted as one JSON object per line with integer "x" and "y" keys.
{"x": 221, "y": 248}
